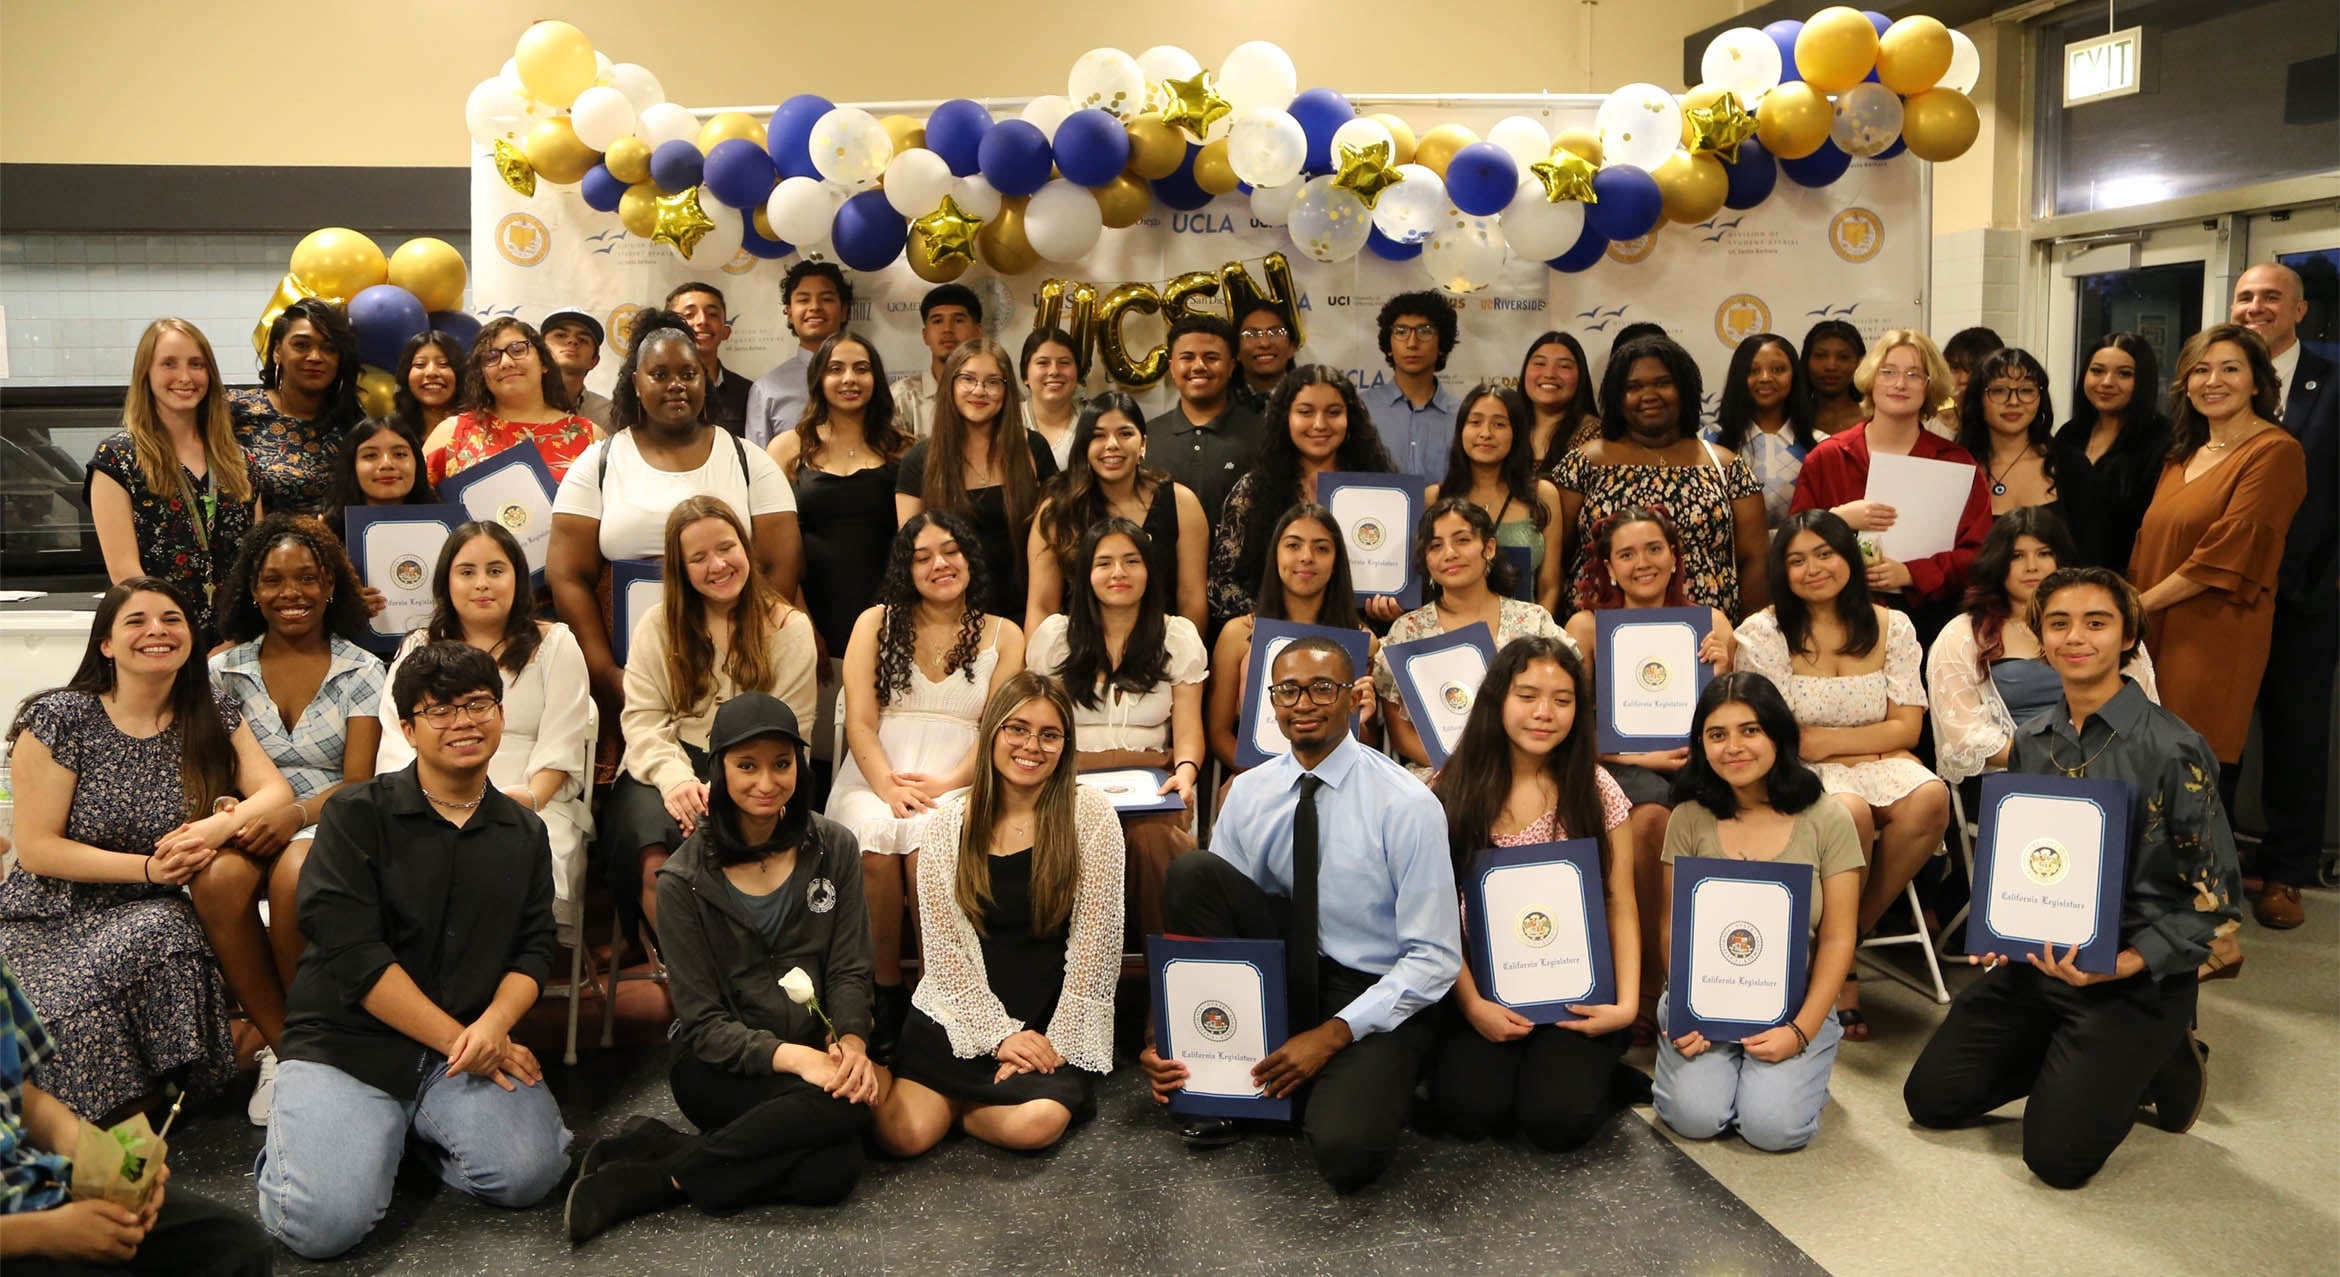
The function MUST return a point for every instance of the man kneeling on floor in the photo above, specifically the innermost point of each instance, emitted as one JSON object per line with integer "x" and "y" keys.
{"x": 427, "y": 903}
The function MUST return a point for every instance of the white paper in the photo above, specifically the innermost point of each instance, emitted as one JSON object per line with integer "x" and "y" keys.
{"x": 1380, "y": 541}
{"x": 513, "y": 497}
{"x": 1927, "y": 498}
{"x": 19, "y": 596}
{"x": 1128, "y": 787}
{"x": 2045, "y": 869}
{"x": 1741, "y": 938}
{"x": 1218, "y": 1029}
{"x": 1654, "y": 687}
{"x": 643, "y": 598}
{"x": 396, "y": 558}
{"x": 1264, "y": 731}
{"x": 1538, "y": 944}
{"x": 1447, "y": 681}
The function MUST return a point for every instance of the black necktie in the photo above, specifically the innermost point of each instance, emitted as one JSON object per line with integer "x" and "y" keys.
{"x": 1300, "y": 954}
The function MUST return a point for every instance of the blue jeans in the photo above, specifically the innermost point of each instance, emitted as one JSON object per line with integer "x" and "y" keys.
{"x": 334, "y": 1144}
{"x": 1775, "y": 1106}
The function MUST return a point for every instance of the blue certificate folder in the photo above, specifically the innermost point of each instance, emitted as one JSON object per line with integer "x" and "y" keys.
{"x": 395, "y": 549}
{"x": 1648, "y": 675}
{"x": 637, "y": 588}
{"x": 2050, "y": 866}
{"x": 1742, "y": 951}
{"x": 515, "y": 488}
{"x": 1219, "y": 1009}
{"x": 1538, "y": 929}
{"x": 1377, "y": 514}
{"x": 1437, "y": 680}
{"x": 1257, "y": 738}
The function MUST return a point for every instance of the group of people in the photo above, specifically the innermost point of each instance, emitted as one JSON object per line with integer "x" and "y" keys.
{"x": 1041, "y": 599}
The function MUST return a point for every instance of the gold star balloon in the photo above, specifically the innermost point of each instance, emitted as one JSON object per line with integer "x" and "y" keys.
{"x": 1566, "y": 176}
{"x": 1193, "y": 104}
{"x": 514, "y": 168}
{"x": 950, "y": 233}
{"x": 1718, "y": 129}
{"x": 1366, "y": 171}
{"x": 681, "y": 222}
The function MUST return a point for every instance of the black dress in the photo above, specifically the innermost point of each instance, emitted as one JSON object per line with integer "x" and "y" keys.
{"x": 1026, "y": 974}
{"x": 2103, "y": 502}
{"x": 995, "y": 537}
{"x": 848, "y": 525}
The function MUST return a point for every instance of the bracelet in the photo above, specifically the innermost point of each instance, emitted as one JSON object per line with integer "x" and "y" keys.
{"x": 1188, "y": 762}
{"x": 1803, "y": 1043}
{"x": 146, "y": 869}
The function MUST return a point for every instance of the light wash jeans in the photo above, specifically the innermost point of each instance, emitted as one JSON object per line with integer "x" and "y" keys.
{"x": 334, "y": 1144}
{"x": 1775, "y": 1106}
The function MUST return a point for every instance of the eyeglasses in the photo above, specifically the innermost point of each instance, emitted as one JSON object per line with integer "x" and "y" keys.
{"x": 1322, "y": 691}
{"x": 478, "y": 709}
{"x": 514, "y": 351}
{"x": 1018, "y": 735}
{"x": 1413, "y": 332}
{"x": 2011, "y": 394}
{"x": 1267, "y": 334}
{"x": 969, "y": 381}
{"x": 1916, "y": 377}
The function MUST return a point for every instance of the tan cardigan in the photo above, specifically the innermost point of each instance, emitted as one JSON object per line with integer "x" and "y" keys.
{"x": 656, "y": 729}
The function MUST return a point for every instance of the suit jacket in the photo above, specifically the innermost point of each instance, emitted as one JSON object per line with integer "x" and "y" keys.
{"x": 2310, "y": 576}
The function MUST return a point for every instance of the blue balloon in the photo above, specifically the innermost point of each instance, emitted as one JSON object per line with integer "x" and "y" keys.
{"x": 1481, "y": 179}
{"x": 740, "y": 173}
{"x": 1091, "y": 147}
{"x": 1629, "y": 204}
{"x": 1321, "y": 112}
{"x": 1179, "y": 190}
{"x": 677, "y": 166}
{"x": 602, "y": 189}
{"x": 1015, "y": 157}
{"x": 1389, "y": 250}
{"x": 1752, "y": 177}
{"x": 1783, "y": 33}
{"x": 1899, "y": 145}
{"x": 460, "y": 325}
{"x": 1879, "y": 21}
{"x": 1817, "y": 169}
{"x": 791, "y": 133}
{"x": 868, "y": 233}
{"x": 1590, "y": 244}
{"x": 759, "y": 246}
{"x": 955, "y": 132}
{"x": 385, "y": 316}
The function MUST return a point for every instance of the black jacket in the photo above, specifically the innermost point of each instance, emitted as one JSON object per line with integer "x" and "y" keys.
{"x": 2310, "y": 577}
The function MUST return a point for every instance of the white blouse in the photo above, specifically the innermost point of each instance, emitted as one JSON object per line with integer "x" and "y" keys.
{"x": 1971, "y": 721}
{"x": 1120, "y": 720}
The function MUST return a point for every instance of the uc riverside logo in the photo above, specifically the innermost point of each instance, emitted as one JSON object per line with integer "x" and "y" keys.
{"x": 1857, "y": 234}
{"x": 522, "y": 239}
{"x": 1741, "y": 315}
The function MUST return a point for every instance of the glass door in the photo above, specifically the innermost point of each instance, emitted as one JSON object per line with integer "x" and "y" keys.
{"x": 2159, "y": 283}
{"x": 2308, "y": 241}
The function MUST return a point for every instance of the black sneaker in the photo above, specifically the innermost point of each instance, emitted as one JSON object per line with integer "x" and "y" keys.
{"x": 1208, "y": 1132}
{"x": 2179, "y": 1089}
{"x": 640, "y": 1139}
{"x": 891, "y": 1006}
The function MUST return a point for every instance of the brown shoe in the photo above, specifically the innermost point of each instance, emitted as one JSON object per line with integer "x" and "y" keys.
{"x": 2279, "y": 908}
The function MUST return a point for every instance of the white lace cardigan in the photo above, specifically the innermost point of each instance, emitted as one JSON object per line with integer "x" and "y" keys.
{"x": 1971, "y": 722}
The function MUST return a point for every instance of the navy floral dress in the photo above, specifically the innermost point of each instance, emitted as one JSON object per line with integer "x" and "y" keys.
{"x": 192, "y": 548}
{"x": 292, "y": 459}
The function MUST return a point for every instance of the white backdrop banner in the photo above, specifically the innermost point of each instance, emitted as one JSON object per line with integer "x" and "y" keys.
{"x": 1856, "y": 250}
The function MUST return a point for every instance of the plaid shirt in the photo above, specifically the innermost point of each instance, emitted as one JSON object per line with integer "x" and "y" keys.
{"x": 309, "y": 754}
{"x": 30, "y": 1179}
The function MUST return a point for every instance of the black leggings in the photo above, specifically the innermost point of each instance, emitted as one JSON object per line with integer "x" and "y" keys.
{"x": 1552, "y": 1085}
{"x": 765, "y": 1139}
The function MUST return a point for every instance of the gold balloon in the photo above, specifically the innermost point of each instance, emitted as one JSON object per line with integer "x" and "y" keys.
{"x": 681, "y": 222}
{"x": 1002, "y": 241}
{"x": 1125, "y": 200}
{"x": 1700, "y": 95}
{"x": 1365, "y": 171}
{"x": 1836, "y": 49}
{"x": 638, "y": 209}
{"x": 1113, "y": 343}
{"x": 377, "y": 392}
{"x": 628, "y": 160}
{"x": 555, "y": 62}
{"x": 288, "y": 291}
{"x": 1244, "y": 295}
{"x": 1069, "y": 306}
{"x": 1939, "y": 124}
{"x": 1437, "y": 147}
{"x": 1584, "y": 142}
{"x": 763, "y": 224}
{"x": 1795, "y": 118}
{"x": 1180, "y": 295}
{"x": 1213, "y": 171}
{"x": 1717, "y": 126}
{"x": 926, "y": 263}
{"x": 727, "y": 125}
{"x": 1193, "y": 104}
{"x": 1693, "y": 186}
{"x": 949, "y": 232}
{"x": 908, "y": 134}
{"x": 432, "y": 270}
{"x": 337, "y": 263}
{"x": 512, "y": 165}
{"x": 1566, "y": 176}
{"x": 1402, "y": 133}
{"x": 1913, "y": 55}
{"x": 556, "y": 154}
{"x": 1155, "y": 149}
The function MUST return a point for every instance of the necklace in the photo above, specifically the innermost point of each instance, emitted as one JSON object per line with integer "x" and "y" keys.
{"x": 2076, "y": 773}
{"x": 1999, "y": 478}
{"x": 476, "y": 800}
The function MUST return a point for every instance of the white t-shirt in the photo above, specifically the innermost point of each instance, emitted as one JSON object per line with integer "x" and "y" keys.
{"x": 633, "y": 498}
{"x": 1120, "y": 720}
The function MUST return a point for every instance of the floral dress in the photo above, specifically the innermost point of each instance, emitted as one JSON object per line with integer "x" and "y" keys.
{"x": 194, "y": 547}
{"x": 1846, "y": 700}
{"x": 120, "y": 971}
{"x": 480, "y": 435}
{"x": 291, "y": 457}
{"x": 1519, "y": 619}
{"x": 1697, "y": 498}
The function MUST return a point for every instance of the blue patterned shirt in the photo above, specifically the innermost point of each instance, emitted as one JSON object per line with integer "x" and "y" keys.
{"x": 30, "y": 1179}
{"x": 309, "y": 753}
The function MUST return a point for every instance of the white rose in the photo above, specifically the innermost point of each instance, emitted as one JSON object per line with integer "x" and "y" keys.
{"x": 798, "y": 986}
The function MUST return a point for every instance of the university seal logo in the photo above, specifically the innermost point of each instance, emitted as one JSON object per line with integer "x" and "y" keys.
{"x": 1214, "y": 1021}
{"x": 2046, "y": 862}
{"x": 1741, "y": 315}
{"x": 1633, "y": 251}
{"x": 1370, "y": 534}
{"x": 522, "y": 239}
{"x": 408, "y": 571}
{"x": 1456, "y": 697}
{"x": 1535, "y": 928}
{"x": 1856, "y": 234}
{"x": 514, "y": 516}
{"x": 1741, "y": 943}
{"x": 621, "y": 327}
{"x": 1653, "y": 675}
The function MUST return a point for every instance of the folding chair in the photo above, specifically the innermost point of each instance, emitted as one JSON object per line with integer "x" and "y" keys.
{"x": 1968, "y": 834}
{"x": 1920, "y": 937}
{"x": 580, "y": 874}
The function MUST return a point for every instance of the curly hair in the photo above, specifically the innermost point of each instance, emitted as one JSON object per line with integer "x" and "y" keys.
{"x": 345, "y": 606}
{"x": 341, "y": 398}
{"x": 1605, "y": 592}
{"x": 878, "y": 428}
{"x": 1275, "y": 476}
{"x": 1736, "y": 414}
{"x": 1688, "y": 387}
{"x": 898, "y": 595}
{"x": 1429, "y": 305}
{"x": 1988, "y": 605}
{"x": 475, "y": 370}
{"x": 1089, "y": 670}
{"x": 1517, "y": 469}
{"x": 625, "y": 402}
{"x": 804, "y": 270}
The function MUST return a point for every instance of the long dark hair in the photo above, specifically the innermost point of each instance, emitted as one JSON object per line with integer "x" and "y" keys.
{"x": 1275, "y": 476}
{"x": 625, "y": 402}
{"x": 1518, "y": 467}
{"x": 877, "y": 420}
{"x": 409, "y": 408}
{"x": 1605, "y": 592}
{"x": 945, "y": 486}
{"x": 1502, "y": 574}
{"x": 724, "y": 839}
{"x": 348, "y": 494}
{"x": 345, "y": 607}
{"x": 1076, "y": 500}
{"x": 341, "y": 398}
{"x": 1688, "y": 388}
{"x": 897, "y": 654}
{"x": 1583, "y": 405}
{"x": 2144, "y": 406}
{"x": 1987, "y": 604}
{"x": 1843, "y": 331}
{"x": 1791, "y": 786}
{"x": 1974, "y": 429}
{"x": 1476, "y": 780}
{"x": 2188, "y": 428}
{"x": 207, "y": 758}
{"x": 1853, "y": 608}
{"x": 520, "y": 633}
{"x": 1736, "y": 414}
{"x": 1089, "y": 670}
{"x": 1339, "y": 608}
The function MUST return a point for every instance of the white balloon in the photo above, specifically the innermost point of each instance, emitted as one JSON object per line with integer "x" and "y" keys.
{"x": 667, "y": 122}
{"x": 1465, "y": 255}
{"x": 1107, "y": 80}
{"x": 1868, "y": 119}
{"x": 1164, "y": 62}
{"x": 802, "y": 210}
{"x": 1266, "y": 146}
{"x": 1361, "y": 133}
{"x": 1046, "y": 112}
{"x": 916, "y": 181}
{"x": 1744, "y": 62}
{"x": 1408, "y": 211}
{"x": 601, "y": 115}
{"x": 1965, "y": 64}
{"x": 1538, "y": 230}
{"x": 1272, "y": 205}
{"x": 1258, "y": 74}
{"x": 1328, "y": 222}
{"x": 496, "y": 110}
{"x": 1524, "y": 139}
{"x": 849, "y": 145}
{"x": 721, "y": 243}
{"x": 1063, "y": 221}
{"x": 640, "y": 87}
{"x": 602, "y": 66}
{"x": 1640, "y": 125}
{"x": 976, "y": 195}
{"x": 510, "y": 72}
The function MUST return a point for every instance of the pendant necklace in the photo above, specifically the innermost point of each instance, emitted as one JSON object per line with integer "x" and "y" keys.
{"x": 2080, "y": 771}
{"x": 1999, "y": 480}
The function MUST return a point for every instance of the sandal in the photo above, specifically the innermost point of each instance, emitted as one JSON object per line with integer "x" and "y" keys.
{"x": 1850, "y": 1019}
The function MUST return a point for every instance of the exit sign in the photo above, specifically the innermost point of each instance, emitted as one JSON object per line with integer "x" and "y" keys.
{"x": 2109, "y": 66}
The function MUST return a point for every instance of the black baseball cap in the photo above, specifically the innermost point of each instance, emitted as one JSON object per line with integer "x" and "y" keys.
{"x": 749, "y": 715}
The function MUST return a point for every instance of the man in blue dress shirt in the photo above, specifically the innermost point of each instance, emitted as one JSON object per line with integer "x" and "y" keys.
{"x": 1372, "y": 936}
{"x": 1413, "y": 413}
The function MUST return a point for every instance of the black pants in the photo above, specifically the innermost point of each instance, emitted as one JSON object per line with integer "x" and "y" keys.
{"x": 2295, "y": 731}
{"x": 192, "y": 1237}
{"x": 2083, "y": 1056}
{"x": 1353, "y": 1112}
{"x": 765, "y": 1139}
{"x": 1552, "y": 1085}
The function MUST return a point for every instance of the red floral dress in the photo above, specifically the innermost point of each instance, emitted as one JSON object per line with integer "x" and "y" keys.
{"x": 480, "y": 435}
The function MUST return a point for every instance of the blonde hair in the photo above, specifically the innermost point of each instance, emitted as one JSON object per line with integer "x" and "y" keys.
{"x": 1941, "y": 384}
{"x": 690, "y": 652}
{"x": 150, "y": 440}
{"x": 1056, "y": 849}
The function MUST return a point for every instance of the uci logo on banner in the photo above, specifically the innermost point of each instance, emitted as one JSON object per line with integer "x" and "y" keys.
{"x": 522, "y": 239}
{"x": 1857, "y": 234}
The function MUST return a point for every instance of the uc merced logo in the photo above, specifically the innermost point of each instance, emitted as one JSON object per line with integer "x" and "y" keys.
{"x": 1857, "y": 234}
{"x": 1741, "y": 315}
{"x": 1214, "y": 1021}
{"x": 1741, "y": 943}
{"x": 522, "y": 239}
